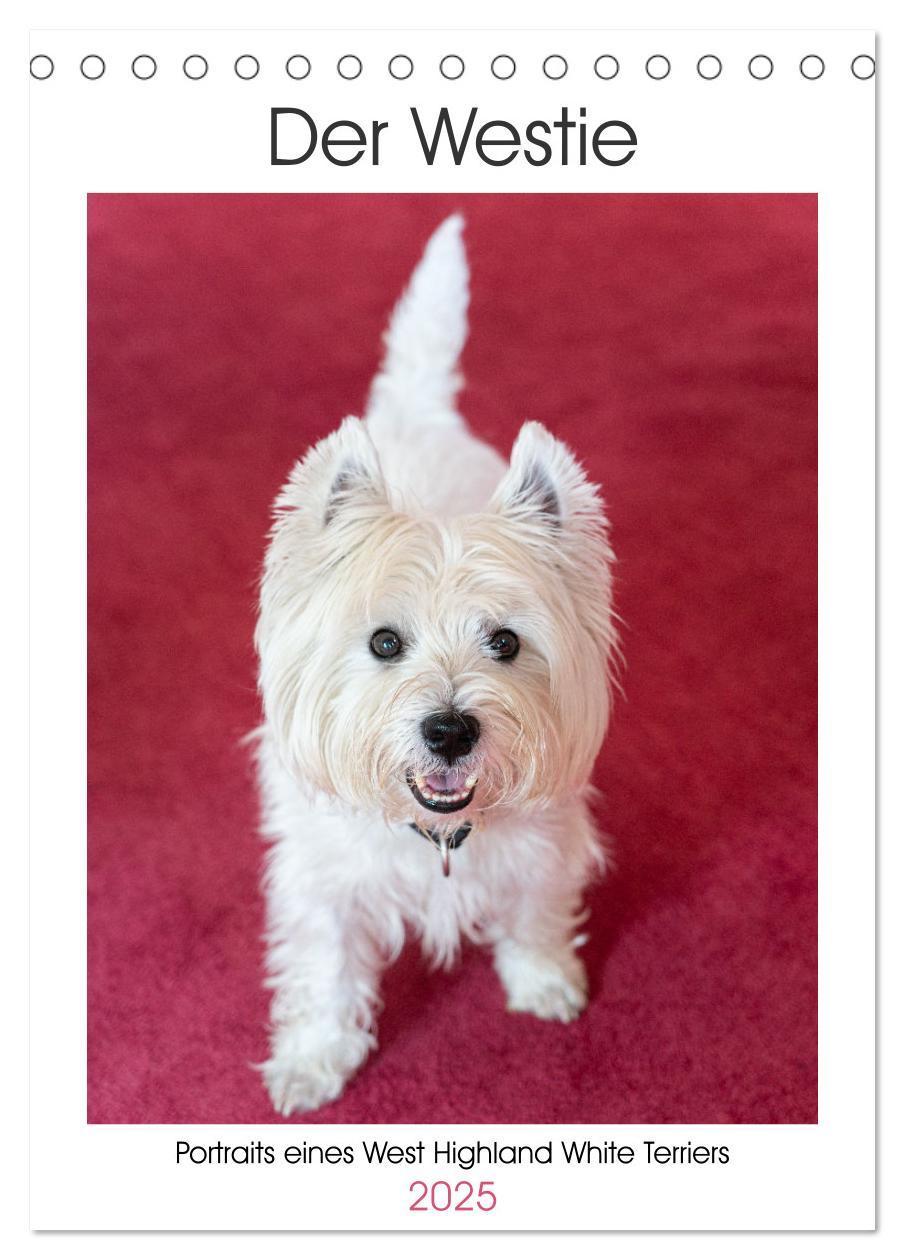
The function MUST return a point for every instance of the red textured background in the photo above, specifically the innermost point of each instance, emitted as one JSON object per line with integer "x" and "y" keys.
{"x": 671, "y": 340}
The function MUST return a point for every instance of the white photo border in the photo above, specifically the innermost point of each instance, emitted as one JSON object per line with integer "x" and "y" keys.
{"x": 790, "y": 133}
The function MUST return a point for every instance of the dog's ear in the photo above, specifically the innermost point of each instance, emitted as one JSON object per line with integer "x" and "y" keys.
{"x": 546, "y": 488}
{"x": 339, "y": 479}
{"x": 356, "y": 479}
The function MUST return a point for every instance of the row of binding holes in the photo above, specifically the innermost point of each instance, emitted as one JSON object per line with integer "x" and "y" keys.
{"x": 452, "y": 66}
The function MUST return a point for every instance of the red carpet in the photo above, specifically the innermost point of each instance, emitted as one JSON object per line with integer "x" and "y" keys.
{"x": 671, "y": 340}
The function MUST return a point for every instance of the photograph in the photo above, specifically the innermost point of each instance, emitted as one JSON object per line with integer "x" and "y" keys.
{"x": 452, "y": 658}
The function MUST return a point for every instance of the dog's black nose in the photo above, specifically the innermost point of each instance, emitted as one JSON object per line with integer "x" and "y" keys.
{"x": 450, "y": 735}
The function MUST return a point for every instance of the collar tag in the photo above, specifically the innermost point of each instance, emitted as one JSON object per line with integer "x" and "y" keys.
{"x": 443, "y": 842}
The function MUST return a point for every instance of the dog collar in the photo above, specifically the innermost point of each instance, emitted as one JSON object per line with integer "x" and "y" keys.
{"x": 442, "y": 842}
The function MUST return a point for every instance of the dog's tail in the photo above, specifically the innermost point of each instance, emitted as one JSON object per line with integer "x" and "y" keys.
{"x": 419, "y": 379}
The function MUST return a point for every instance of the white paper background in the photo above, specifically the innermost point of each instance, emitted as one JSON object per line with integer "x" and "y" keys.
{"x": 732, "y": 134}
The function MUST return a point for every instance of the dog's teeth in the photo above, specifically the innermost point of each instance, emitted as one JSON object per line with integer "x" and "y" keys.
{"x": 442, "y": 796}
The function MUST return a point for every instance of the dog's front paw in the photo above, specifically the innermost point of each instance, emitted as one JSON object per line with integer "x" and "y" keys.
{"x": 305, "y": 1071}
{"x": 550, "y": 988}
{"x": 300, "y": 1086}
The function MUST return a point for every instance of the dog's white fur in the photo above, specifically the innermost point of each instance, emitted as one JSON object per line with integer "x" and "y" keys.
{"x": 405, "y": 520}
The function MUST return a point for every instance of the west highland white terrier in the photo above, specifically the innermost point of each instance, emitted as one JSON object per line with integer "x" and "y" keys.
{"x": 435, "y": 641}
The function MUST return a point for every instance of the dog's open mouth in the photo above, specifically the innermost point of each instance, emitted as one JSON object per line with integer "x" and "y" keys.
{"x": 444, "y": 792}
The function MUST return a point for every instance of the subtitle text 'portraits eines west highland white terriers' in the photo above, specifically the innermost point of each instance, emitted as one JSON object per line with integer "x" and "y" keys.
{"x": 435, "y": 637}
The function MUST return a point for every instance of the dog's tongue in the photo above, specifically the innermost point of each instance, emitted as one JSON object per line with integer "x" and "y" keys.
{"x": 446, "y": 781}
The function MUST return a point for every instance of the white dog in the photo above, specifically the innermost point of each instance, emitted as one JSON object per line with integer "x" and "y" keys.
{"x": 435, "y": 640}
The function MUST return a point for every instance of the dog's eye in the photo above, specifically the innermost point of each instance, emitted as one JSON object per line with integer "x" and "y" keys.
{"x": 385, "y": 643}
{"x": 504, "y": 645}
